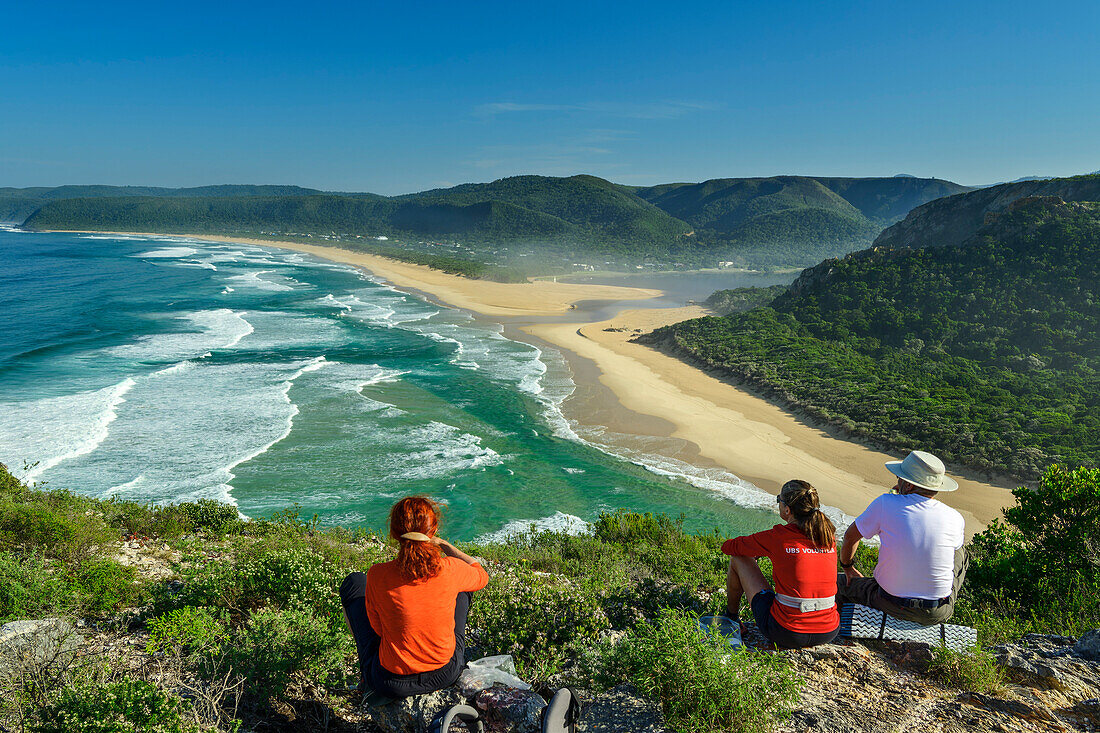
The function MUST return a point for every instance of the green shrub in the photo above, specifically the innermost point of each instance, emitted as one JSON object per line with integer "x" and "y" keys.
{"x": 642, "y": 602}
{"x": 538, "y": 619}
{"x": 127, "y": 706}
{"x": 211, "y": 516}
{"x": 703, "y": 685}
{"x": 660, "y": 545}
{"x": 975, "y": 672}
{"x": 294, "y": 578}
{"x": 28, "y": 587}
{"x": 102, "y": 585}
{"x": 276, "y": 644}
{"x": 1039, "y": 570}
{"x": 60, "y": 530}
{"x": 188, "y": 630}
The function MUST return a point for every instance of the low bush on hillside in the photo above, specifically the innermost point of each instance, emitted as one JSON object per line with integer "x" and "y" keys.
{"x": 1039, "y": 570}
{"x": 703, "y": 685}
{"x": 540, "y": 620}
{"x": 975, "y": 671}
{"x": 125, "y": 706}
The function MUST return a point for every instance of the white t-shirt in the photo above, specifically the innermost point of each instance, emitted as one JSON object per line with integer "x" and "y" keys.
{"x": 918, "y": 536}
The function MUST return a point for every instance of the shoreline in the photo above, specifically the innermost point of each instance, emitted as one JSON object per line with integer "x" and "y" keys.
{"x": 645, "y": 392}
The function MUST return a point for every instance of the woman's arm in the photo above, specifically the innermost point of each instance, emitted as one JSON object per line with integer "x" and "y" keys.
{"x": 452, "y": 551}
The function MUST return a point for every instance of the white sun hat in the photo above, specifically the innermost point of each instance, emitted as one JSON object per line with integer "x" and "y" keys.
{"x": 923, "y": 470}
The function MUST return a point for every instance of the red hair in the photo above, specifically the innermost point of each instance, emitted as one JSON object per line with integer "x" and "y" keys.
{"x": 416, "y": 559}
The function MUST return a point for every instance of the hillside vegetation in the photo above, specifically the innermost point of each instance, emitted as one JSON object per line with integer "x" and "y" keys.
{"x": 987, "y": 353}
{"x": 194, "y": 621}
{"x": 787, "y": 220}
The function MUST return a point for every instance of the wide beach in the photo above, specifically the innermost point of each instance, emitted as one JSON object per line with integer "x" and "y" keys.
{"x": 641, "y": 390}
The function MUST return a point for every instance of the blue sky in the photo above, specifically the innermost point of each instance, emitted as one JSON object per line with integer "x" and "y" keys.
{"x": 397, "y": 97}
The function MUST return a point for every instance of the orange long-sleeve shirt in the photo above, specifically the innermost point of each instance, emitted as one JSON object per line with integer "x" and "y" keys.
{"x": 416, "y": 619}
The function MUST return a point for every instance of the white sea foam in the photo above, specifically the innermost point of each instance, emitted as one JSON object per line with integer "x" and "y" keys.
{"x": 57, "y": 429}
{"x": 253, "y": 280}
{"x": 199, "y": 263}
{"x": 168, "y": 253}
{"x": 213, "y": 329}
{"x": 209, "y": 418}
{"x": 448, "y": 450}
{"x": 558, "y": 522}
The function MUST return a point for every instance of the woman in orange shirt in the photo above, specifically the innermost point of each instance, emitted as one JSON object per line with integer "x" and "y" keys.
{"x": 408, "y": 616}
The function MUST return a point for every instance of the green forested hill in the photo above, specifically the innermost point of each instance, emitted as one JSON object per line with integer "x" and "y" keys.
{"x": 16, "y": 204}
{"x": 987, "y": 353}
{"x": 578, "y": 212}
{"x": 792, "y": 219}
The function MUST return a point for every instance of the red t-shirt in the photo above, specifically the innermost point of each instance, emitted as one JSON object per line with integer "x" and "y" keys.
{"x": 416, "y": 619}
{"x": 799, "y": 569}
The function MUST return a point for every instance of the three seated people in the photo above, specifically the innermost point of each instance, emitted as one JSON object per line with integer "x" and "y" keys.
{"x": 408, "y": 615}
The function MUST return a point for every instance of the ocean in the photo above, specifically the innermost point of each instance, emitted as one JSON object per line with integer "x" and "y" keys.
{"x": 164, "y": 369}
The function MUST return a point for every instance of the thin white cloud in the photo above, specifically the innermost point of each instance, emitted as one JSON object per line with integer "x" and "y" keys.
{"x": 644, "y": 111}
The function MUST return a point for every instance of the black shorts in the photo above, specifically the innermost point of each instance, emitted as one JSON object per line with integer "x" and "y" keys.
{"x": 778, "y": 634}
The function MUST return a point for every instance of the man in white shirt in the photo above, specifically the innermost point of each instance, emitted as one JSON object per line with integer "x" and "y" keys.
{"x": 921, "y": 560}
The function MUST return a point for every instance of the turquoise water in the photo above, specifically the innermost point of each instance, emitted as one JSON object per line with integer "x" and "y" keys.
{"x": 168, "y": 369}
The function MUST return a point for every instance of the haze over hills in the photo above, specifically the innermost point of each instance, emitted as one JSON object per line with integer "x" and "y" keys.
{"x": 794, "y": 216}
{"x": 786, "y": 220}
{"x": 975, "y": 335}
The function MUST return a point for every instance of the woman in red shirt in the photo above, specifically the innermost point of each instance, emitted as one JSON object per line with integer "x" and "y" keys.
{"x": 408, "y": 616}
{"x": 801, "y": 611}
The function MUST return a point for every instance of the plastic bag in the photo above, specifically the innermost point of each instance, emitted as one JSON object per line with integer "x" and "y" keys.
{"x": 481, "y": 674}
{"x": 723, "y": 626}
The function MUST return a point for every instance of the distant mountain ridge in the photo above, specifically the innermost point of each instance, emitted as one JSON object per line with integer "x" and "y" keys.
{"x": 954, "y": 219}
{"x": 16, "y": 204}
{"x": 799, "y": 217}
{"x": 789, "y": 220}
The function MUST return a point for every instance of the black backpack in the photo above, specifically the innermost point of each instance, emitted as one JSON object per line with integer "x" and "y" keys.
{"x": 561, "y": 715}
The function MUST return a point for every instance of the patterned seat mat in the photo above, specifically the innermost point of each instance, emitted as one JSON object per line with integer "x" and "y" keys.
{"x": 861, "y": 622}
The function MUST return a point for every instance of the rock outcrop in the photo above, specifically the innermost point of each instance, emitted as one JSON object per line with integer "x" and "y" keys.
{"x": 880, "y": 687}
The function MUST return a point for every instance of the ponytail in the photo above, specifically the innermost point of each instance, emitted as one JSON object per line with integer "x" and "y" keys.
{"x": 801, "y": 498}
{"x": 416, "y": 558}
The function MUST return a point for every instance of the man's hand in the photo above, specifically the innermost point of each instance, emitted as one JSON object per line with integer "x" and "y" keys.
{"x": 851, "y": 572}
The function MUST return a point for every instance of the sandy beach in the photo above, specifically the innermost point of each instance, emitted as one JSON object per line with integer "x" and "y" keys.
{"x": 726, "y": 425}
{"x": 741, "y": 431}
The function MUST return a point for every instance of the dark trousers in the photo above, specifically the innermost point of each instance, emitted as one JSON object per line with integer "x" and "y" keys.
{"x": 353, "y": 594}
{"x": 867, "y": 592}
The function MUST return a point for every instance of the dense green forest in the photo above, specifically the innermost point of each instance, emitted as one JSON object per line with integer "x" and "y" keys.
{"x": 987, "y": 352}
{"x": 736, "y": 300}
{"x": 781, "y": 221}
